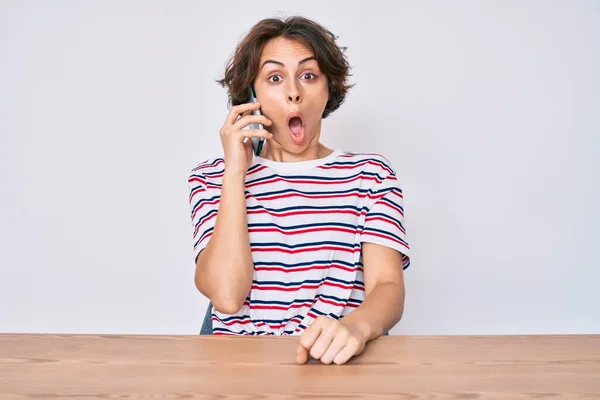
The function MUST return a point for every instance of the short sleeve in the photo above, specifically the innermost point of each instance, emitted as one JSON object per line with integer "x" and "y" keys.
{"x": 204, "y": 205}
{"x": 384, "y": 222}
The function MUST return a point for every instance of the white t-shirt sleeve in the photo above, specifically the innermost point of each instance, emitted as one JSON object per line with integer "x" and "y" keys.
{"x": 204, "y": 205}
{"x": 384, "y": 223}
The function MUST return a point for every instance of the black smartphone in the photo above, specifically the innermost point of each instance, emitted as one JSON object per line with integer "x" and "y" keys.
{"x": 257, "y": 142}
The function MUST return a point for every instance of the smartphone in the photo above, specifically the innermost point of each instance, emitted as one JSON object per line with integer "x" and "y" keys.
{"x": 257, "y": 142}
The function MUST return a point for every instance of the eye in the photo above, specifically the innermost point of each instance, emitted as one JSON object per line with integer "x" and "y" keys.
{"x": 274, "y": 76}
{"x": 310, "y": 73}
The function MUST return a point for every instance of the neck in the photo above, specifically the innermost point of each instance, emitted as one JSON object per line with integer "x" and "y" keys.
{"x": 277, "y": 153}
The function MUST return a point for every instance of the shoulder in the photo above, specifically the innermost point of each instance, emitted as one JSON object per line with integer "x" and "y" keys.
{"x": 209, "y": 166}
{"x": 207, "y": 171}
{"x": 370, "y": 162}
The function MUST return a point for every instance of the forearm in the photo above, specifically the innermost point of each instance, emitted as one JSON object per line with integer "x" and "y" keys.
{"x": 224, "y": 269}
{"x": 380, "y": 311}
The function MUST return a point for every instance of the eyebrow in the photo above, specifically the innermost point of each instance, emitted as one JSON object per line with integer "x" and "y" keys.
{"x": 282, "y": 65}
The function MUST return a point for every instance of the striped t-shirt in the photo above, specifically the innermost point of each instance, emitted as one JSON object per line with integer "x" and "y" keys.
{"x": 306, "y": 222}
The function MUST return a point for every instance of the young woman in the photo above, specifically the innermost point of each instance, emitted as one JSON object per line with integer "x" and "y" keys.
{"x": 301, "y": 240}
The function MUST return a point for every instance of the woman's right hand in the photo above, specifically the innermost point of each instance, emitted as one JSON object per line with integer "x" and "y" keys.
{"x": 238, "y": 155}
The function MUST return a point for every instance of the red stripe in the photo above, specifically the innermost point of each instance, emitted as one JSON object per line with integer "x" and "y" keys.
{"x": 333, "y": 303}
{"x": 196, "y": 191}
{"x": 312, "y": 196}
{"x": 303, "y": 286}
{"x": 205, "y": 238}
{"x": 302, "y": 269}
{"x": 308, "y": 212}
{"x": 261, "y": 168}
{"x": 393, "y": 207}
{"x": 286, "y": 289}
{"x": 203, "y": 222}
{"x": 208, "y": 166}
{"x": 309, "y": 314}
{"x": 203, "y": 204}
{"x": 279, "y": 326}
{"x": 196, "y": 179}
{"x": 313, "y": 182}
{"x": 245, "y": 320}
{"x": 389, "y": 221}
{"x": 300, "y": 305}
{"x": 295, "y": 251}
{"x": 260, "y": 324}
{"x": 267, "y": 307}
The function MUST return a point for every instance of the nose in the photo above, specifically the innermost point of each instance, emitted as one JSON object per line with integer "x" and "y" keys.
{"x": 293, "y": 95}
{"x": 294, "y": 98}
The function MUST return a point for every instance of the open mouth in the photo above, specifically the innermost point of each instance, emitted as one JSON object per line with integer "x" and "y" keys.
{"x": 296, "y": 127}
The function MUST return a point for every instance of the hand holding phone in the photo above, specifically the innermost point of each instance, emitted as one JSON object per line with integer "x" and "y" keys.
{"x": 238, "y": 153}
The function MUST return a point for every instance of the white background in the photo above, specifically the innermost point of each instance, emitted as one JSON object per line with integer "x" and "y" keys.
{"x": 489, "y": 111}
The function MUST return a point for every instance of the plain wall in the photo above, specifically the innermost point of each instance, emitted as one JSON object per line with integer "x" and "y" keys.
{"x": 489, "y": 111}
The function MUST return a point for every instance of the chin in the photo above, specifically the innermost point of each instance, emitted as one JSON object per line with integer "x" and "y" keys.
{"x": 289, "y": 145}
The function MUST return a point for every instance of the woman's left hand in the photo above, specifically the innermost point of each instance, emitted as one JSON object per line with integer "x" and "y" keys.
{"x": 330, "y": 340}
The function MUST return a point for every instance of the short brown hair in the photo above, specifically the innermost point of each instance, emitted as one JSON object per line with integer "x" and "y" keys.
{"x": 242, "y": 68}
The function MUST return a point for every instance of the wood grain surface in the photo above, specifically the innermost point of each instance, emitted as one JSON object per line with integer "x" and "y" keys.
{"x": 49, "y": 366}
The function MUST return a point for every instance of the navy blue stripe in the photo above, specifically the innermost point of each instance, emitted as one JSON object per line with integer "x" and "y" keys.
{"x": 317, "y": 311}
{"x": 276, "y": 321}
{"x": 211, "y": 174}
{"x": 328, "y": 297}
{"x": 385, "y": 199}
{"x": 204, "y": 200}
{"x": 254, "y": 167}
{"x": 234, "y": 317}
{"x": 387, "y": 216}
{"x": 205, "y": 216}
{"x": 207, "y": 164}
{"x": 280, "y": 303}
{"x": 391, "y": 189}
{"x": 242, "y": 332}
{"x": 268, "y": 321}
{"x": 379, "y": 162}
{"x": 298, "y": 283}
{"x": 205, "y": 233}
{"x": 385, "y": 233}
{"x": 303, "y": 264}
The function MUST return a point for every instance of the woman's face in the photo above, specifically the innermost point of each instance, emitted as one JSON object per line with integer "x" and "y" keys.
{"x": 292, "y": 92}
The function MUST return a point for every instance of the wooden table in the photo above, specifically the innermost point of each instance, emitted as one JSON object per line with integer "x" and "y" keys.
{"x": 204, "y": 367}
